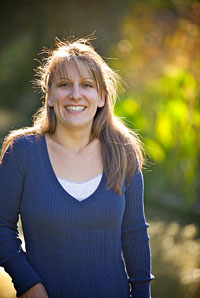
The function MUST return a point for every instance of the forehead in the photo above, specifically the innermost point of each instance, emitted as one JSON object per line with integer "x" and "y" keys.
{"x": 72, "y": 70}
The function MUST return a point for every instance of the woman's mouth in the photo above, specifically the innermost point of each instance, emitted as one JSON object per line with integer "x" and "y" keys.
{"x": 75, "y": 108}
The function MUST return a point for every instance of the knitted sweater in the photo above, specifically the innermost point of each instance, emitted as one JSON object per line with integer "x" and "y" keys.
{"x": 92, "y": 248}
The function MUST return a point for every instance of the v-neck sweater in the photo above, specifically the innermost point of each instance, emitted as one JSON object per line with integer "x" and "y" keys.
{"x": 92, "y": 248}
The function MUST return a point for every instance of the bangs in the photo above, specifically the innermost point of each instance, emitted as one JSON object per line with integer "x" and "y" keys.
{"x": 80, "y": 63}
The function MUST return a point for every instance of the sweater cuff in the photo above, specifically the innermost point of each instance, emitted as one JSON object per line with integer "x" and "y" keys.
{"x": 23, "y": 275}
{"x": 141, "y": 289}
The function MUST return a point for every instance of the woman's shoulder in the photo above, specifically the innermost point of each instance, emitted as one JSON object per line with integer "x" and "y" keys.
{"x": 26, "y": 140}
{"x": 16, "y": 150}
{"x": 21, "y": 143}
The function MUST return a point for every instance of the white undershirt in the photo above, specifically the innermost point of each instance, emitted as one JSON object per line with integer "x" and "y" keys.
{"x": 83, "y": 190}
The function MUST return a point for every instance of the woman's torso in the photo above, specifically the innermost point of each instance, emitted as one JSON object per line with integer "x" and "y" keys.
{"x": 74, "y": 246}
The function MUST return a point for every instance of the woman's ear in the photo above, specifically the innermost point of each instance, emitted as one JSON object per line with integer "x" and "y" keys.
{"x": 102, "y": 99}
{"x": 49, "y": 100}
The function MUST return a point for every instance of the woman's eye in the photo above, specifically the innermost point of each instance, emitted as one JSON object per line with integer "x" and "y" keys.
{"x": 63, "y": 85}
{"x": 87, "y": 85}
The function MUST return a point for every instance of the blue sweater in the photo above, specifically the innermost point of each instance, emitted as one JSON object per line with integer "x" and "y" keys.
{"x": 95, "y": 248}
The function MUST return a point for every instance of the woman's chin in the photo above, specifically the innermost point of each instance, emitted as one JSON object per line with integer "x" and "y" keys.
{"x": 73, "y": 125}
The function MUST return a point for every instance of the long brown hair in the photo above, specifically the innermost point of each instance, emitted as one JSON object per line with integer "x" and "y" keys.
{"x": 121, "y": 147}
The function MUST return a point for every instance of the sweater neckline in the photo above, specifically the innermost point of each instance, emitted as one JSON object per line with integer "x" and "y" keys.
{"x": 57, "y": 187}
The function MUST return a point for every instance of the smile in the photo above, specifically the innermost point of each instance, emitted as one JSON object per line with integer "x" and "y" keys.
{"x": 75, "y": 108}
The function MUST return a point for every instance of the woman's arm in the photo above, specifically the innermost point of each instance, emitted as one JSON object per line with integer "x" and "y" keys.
{"x": 135, "y": 240}
{"x": 37, "y": 291}
{"x": 12, "y": 257}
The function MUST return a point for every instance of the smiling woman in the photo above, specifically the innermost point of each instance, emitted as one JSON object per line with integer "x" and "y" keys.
{"x": 75, "y": 98}
{"x": 75, "y": 178}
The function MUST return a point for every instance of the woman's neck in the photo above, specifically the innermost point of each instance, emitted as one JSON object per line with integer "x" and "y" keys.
{"x": 75, "y": 140}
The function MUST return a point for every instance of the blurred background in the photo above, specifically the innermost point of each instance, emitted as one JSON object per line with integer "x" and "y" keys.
{"x": 156, "y": 49}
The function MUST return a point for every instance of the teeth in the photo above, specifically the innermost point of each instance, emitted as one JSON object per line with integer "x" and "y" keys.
{"x": 75, "y": 108}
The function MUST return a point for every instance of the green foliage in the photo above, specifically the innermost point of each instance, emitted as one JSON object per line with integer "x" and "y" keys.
{"x": 169, "y": 121}
{"x": 159, "y": 58}
{"x": 14, "y": 73}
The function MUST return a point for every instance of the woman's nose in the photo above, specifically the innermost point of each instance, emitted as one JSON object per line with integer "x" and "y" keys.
{"x": 75, "y": 93}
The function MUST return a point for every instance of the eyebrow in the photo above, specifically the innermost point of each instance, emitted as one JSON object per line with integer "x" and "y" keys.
{"x": 66, "y": 78}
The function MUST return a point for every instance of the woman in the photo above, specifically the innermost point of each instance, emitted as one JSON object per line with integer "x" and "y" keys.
{"x": 75, "y": 179}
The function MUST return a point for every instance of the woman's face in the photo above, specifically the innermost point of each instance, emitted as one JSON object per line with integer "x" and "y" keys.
{"x": 75, "y": 98}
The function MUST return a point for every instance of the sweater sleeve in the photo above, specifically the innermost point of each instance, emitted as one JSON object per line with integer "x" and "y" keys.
{"x": 135, "y": 240}
{"x": 12, "y": 257}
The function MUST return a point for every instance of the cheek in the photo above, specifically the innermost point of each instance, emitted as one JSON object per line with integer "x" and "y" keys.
{"x": 58, "y": 97}
{"x": 96, "y": 98}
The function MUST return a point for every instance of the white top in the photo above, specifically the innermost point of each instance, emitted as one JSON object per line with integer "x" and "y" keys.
{"x": 81, "y": 191}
